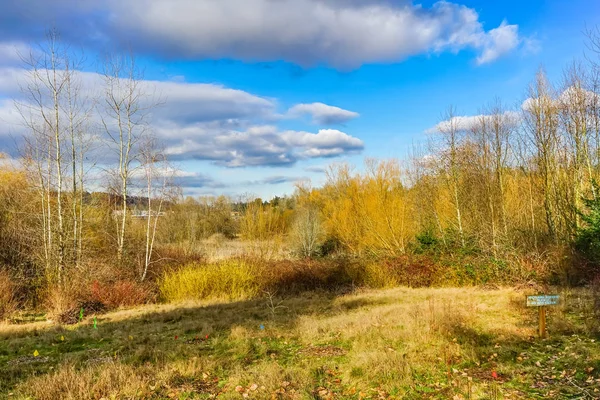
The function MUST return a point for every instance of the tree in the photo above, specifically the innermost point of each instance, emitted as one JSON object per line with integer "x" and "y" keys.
{"x": 587, "y": 240}
{"x": 159, "y": 188}
{"x": 54, "y": 114}
{"x": 124, "y": 115}
{"x": 451, "y": 136}
{"x": 540, "y": 116}
{"x": 307, "y": 231}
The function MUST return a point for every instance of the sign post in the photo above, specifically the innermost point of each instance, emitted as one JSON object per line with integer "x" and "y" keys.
{"x": 541, "y": 302}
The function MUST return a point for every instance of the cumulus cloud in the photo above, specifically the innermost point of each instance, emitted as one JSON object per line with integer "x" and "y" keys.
{"x": 572, "y": 95}
{"x": 207, "y": 122}
{"x": 498, "y": 42}
{"x": 259, "y": 145}
{"x": 322, "y": 113}
{"x": 469, "y": 122}
{"x": 179, "y": 102}
{"x": 342, "y": 34}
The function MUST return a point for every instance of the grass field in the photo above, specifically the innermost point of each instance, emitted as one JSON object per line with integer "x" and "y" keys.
{"x": 400, "y": 343}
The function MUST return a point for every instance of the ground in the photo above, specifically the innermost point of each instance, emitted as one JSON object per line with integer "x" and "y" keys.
{"x": 386, "y": 344}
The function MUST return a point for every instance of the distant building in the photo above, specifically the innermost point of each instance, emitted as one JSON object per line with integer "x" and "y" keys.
{"x": 141, "y": 214}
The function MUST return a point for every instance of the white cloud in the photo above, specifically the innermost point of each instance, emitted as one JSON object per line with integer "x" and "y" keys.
{"x": 570, "y": 97}
{"x": 498, "y": 42}
{"x": 322, "y": 113}
{"x": 342, "y": 34}
{"x": 12, "y": 51}
{"x": 205, "y": 122}
{"x": 469, "y": 122}
{"x": 259, "y": 145}
{"x": 307, "y": 32}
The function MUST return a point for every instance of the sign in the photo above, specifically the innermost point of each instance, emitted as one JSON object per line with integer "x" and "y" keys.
{"x": 541, "y": 302}
{"x": 544, "y": 300}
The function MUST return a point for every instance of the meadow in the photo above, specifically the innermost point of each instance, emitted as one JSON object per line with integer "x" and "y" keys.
{"x": 446, "y": 343}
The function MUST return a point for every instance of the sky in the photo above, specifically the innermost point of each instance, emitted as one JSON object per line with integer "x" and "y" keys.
{"x": 259, "y": 94}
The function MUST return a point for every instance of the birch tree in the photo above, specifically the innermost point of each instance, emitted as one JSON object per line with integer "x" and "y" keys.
{"x": 451, "y": 136}
{"x": 124, "y": 115}
{"x": 159, "y": 188}
{"x": 46, "y": 109}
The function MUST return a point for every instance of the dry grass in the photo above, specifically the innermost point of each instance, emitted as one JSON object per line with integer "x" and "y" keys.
{"x": 219, "y": 249}
{"x": 398, "y": 343}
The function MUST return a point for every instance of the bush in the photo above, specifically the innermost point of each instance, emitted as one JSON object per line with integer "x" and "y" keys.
{"x": 587, "y": 241}
{"x": 174, "y": 256}
{"x": 8, "y": 303}
{"x": 82, "y": 310}
{"x": 247, "y": 278}
{"x": 411, "y": 271}
{"x": 60, "y": 300}
{"x": 305, "y": 275}
{"x": 230, "y": 279}
{"x": 120, "y": 294}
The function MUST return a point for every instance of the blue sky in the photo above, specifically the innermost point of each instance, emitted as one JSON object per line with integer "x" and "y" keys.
{"x": 390, "y": 67}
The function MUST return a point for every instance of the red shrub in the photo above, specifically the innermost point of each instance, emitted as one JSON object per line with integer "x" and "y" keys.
{"x": 121, "y": 293}
{"x": 289, "y": 276}
{"x": 412, "y": 271}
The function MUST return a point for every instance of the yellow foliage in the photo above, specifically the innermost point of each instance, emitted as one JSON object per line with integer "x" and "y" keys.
{"x": 262, "y": 222}
{"x": 371, "y": 212}
{"x": 230, "y": 279}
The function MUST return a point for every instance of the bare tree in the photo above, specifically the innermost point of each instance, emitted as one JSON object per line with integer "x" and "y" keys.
{"x": 502, "y": 125}
{"x": 540, "y": 116}
{"x": 159, "y": 188}
{"x": 48, "y": 111}
{"x": 451, "y": 136}
{"x": 125, "y": 119}
{"x": 307, "y": 231}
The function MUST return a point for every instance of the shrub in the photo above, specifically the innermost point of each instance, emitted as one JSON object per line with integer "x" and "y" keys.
{"x": 588, "y": 236}
{"x": 83, "y": 309}
{"x": 8, "y": 303}
{"x": 412, "y": 271}
{"x": 230, "y": 279}
{"x": 120, "y": 294}
{"x": 304, "y": 275}
{"x": 426, "y": 242}
{"x": 174, "y": 256}
{"x": 60, "y": 300}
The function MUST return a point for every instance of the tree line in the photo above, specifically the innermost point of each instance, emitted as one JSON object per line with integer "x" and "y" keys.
{"x": 516, "y": 184}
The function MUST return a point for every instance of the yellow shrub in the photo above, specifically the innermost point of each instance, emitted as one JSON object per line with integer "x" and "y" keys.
{"x": 377, "y": 277}
{"x": 230, "y": 279}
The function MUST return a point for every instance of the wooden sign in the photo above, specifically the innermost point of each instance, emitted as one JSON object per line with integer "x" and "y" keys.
{"x": 541, "y": 302}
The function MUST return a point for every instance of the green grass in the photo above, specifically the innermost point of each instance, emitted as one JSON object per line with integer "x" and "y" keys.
{"x": 397, "y": 343}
